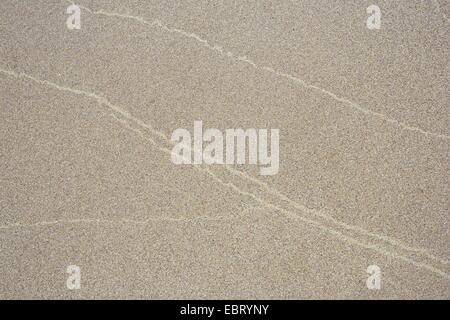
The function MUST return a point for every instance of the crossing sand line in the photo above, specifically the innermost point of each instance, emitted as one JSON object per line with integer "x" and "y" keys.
{"x": 322, "y": 214}
{"x": 220, "y": 50}
{"x": 317, "y": 224}
{"x": 103, "y": 101}
{"x": 303, "y": 208}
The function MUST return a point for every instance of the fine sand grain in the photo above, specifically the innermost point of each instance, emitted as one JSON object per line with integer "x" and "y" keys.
{"x": 87, "y": 177}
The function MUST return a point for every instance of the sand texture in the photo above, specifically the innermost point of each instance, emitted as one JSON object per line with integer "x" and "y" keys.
{"x": 86, "y": 176}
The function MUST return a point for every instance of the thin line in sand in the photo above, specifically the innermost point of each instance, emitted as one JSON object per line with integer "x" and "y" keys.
{"x": 229, "y": 54}
{"x": 338, "y": 234}
{"x": 106, "y": 221}
{"x": 220, "y": 50}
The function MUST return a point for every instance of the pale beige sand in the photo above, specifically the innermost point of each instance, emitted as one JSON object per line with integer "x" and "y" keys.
{"x": 363, "y": 117}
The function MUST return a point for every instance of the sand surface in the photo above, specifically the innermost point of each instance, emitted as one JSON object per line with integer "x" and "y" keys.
{"x": 86, "y": 176}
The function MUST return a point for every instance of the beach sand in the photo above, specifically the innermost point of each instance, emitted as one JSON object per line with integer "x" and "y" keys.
{"x": 87, "y": 178}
